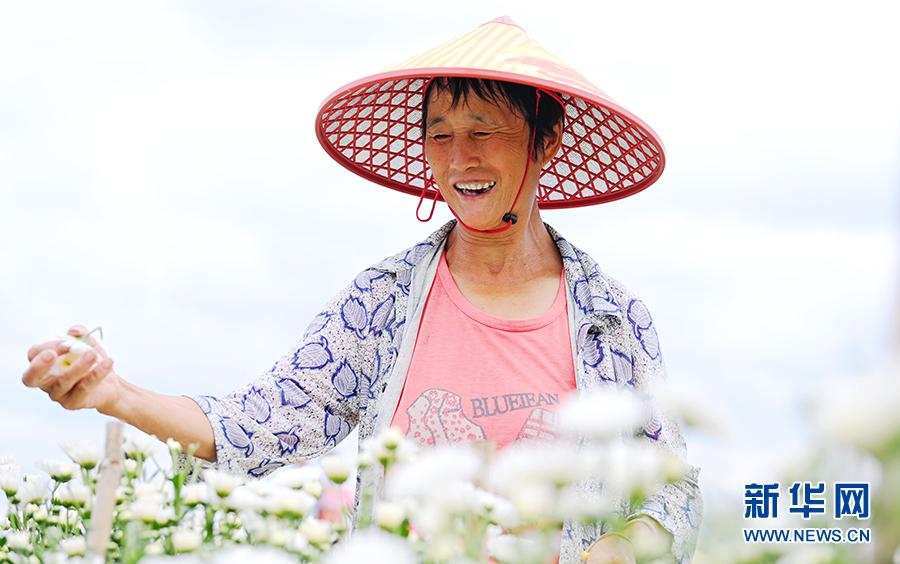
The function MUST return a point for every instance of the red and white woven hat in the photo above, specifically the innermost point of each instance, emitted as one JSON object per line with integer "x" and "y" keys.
{"x": 373, "y": 126}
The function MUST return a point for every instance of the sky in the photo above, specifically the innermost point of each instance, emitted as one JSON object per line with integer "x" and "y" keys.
{"x": 160, "y": 177}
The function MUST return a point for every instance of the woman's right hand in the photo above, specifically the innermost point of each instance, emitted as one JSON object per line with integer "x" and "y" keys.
{"x": 88, "y": 383}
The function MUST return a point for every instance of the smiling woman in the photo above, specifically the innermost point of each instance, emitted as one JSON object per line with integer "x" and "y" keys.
{"x": 466, "y": 137}
{"x": 493, "y": 305}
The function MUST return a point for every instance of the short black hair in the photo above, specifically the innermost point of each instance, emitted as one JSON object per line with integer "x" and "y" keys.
{"x": 519, "y": 98}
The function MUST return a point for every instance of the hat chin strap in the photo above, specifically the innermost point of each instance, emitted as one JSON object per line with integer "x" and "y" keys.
{"x": 509, "y": 218}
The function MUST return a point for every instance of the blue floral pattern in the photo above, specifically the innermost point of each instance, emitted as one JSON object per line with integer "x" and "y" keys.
{"x": 352, "y": 361}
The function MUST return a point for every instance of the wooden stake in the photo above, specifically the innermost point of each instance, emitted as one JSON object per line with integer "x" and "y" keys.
{"x": 102, "y": 513}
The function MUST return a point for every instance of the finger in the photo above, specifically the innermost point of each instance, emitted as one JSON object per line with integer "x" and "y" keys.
{"x": 62, "y": 384}
{"x": 40, "y": 366}
{"x": 82, "y": 390}
{"x": 78, "y": 331}
{"x": 36, "y": 349}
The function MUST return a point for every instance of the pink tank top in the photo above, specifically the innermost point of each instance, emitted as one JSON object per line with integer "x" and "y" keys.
{"x": 474, "y": 376}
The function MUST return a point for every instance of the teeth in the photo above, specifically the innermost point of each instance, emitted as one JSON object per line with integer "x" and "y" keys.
{"x": 474, "y": 187}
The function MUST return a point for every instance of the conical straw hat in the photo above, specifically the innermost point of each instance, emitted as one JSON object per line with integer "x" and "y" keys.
{"x": 373, "y": 126}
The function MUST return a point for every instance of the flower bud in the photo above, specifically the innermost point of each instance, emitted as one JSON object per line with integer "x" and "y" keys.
{"x": 74, "y": 546}
{"x": 389, "y": 515}
{"x": 318, "y": 531}
{"x": 337, "y": 467}
{"x": 186, "y": 540}
{"x": 154, "y": 549}
{"x": 174, "y": 446}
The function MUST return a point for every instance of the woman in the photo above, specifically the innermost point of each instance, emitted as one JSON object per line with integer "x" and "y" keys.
{"x": 495, "y": 304}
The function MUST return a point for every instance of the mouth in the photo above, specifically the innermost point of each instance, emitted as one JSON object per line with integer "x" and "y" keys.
{"x": 475, "y": 187}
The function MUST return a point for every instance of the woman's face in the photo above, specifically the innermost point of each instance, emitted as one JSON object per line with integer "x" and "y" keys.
{"x": 478, "y": 152}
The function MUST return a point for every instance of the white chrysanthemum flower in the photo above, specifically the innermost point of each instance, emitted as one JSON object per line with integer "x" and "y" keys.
{"x": 392, "y": 437}
{"x": 243, "y": 499}
{"x": 84, "y": 453}
{"x": 552, "y": 465}
{"x": 130, "y": 466}
{"x": 144, "y": 509}
{"x": 54, "y": 558}
{"x": 174, "y": 446}
{"x": 154, "y": 548}
{"x": 222, "y": 483}
{"x": 18, "y": 540}
{"x": 534, "y": 501}
{"x": 265, "y": 488}
{"x": 373, "y": 448}
{"x": 41, "y": 515}
{"x": 255, "y": 554}
{"x": 9, "y": 481}
{"x": 194, "y": 494}
{"x": 73, "y": 493}
{"x": 290, "y": 501}
{"x": 318, "y": 531}
{"x": 255, "y": 524}
{"x": 59, "y": 470}
{"x": 297, "y": 542}
{"x": 389, "y": 515}
{"x": 165, "y": 515}
{"x": 278, "y": 536}
{"x": 443, "y": 547}
{"x": 76, "y": 347}
{"x": 147, "y": 490}
{"x": 34, "y": 488}
{"x": 500, "y": 510}
{"x": 444, "y": 466}
{"x": 4, "y": 521}
{"x": 68, "y": 517}
{"x": 239, "y": 535}
{"x": 372, "y": 546}
{"x": 74, "y": 546}
{"x": 633, "y": 469}
{"x": 313, "y": 488}
{"x": 509, "y": 549}
{"x": 295, "y": 476}
{"x": 143, "y": 446}
{"x": 430, "y": 519}
{"x": 602, "y": 415}
{"x": 366, "y": 459}
{"x": 337, "y": 467}
{"x": 389, "y": 445}
{"x": 186, "y": 540}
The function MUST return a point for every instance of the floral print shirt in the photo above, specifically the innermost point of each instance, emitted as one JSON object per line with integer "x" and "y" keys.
{"x": 350, "y": 366}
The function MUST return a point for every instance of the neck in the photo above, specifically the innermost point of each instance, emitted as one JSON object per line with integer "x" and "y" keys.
{"x": 522, "y": 252}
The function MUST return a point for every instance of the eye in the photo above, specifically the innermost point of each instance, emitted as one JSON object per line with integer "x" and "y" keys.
{"x": 482, "y": 134}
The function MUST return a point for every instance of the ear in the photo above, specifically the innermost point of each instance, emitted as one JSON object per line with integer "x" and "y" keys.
{"x": 552, "y": 144}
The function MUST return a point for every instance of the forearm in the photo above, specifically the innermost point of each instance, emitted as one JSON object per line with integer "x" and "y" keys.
{"x": 175, "y": 417}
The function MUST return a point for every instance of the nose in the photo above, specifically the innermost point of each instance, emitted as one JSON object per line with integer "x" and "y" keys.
{"x": 463, "y": 152}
